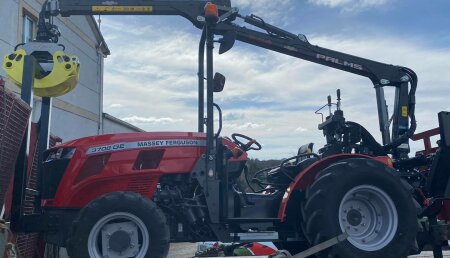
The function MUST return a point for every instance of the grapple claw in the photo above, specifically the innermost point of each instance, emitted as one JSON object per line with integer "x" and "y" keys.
{"x": 59, "y": 74}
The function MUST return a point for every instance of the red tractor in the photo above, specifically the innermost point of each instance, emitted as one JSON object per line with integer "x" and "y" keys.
{"x": 130, "y": 195}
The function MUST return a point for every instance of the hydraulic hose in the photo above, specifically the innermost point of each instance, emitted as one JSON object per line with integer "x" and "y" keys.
{"x": 411, "y": 106}
{"x": 42, "y": 30}
{"x": 370, "y": 141}
{"x": 46, "y": 31}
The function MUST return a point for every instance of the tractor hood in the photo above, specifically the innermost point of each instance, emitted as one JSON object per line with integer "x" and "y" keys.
{"x": 76, "y": 172}
{"x": 126, "y": 141}
{"x": 111, "y": 143}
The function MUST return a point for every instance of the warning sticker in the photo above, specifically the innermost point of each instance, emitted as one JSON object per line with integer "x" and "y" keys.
{"x": 404, "y": 111}
{"x": 125, "y": 9}
{"x": 145, "y": 144}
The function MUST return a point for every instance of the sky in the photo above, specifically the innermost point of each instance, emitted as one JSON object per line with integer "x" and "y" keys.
{"x": 150, "y": 78}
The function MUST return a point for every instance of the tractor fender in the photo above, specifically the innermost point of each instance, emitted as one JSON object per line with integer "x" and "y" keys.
{"x": 307, "y": 176}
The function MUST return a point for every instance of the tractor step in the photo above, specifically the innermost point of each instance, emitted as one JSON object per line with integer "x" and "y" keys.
{"x": 252, "y": 220}
{"x": 32, "y": 192}
{"x": 256, "y": 236}
{"x": 427, "y": 254}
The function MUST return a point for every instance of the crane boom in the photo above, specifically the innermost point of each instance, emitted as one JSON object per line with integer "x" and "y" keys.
{"x": 186, "y": 8}
{"x": 298, "y": 46}
{"x": 274, "y": 39}
{"x": 268, "y": 37}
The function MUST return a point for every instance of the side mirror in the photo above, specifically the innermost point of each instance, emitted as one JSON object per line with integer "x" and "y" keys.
{"x": 227, "y": 41}
{"x": 219, "y": 82}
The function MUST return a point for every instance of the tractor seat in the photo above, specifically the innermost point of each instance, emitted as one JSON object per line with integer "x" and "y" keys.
{"x": 294, "y": 170}
{"x": 304, "y": 161}
{"x": 300, "y": 163}
{"x": 305, "y": 149}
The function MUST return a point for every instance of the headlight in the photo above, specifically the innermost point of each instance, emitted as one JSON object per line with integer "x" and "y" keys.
{"x": 60, "y": 153}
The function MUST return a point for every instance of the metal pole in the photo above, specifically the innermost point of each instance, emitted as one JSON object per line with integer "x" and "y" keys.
{"x": 43, "y": 141}
{"x": 437, "y": 247}
{"x": 210, "y": 93}
{"x": 400, "y": 123}
{"x": 383, "y": 115}
{"x": 20, "y": 173}
{"x": 211, "y": 180}
{"x": 201, "y": 82}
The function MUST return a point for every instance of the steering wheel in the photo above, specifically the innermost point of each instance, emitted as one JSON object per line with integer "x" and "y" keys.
{"x": 247, "y": 146}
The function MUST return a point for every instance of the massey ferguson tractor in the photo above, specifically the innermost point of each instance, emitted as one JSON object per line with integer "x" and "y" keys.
{"x": 130, "y": 195}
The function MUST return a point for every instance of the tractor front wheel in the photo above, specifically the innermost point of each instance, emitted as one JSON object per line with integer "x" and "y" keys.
{"x": 365, "y": 199}
{"x": 119, "y": 224}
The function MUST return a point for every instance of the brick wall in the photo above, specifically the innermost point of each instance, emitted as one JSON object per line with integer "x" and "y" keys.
{"x": 14, "y": 114}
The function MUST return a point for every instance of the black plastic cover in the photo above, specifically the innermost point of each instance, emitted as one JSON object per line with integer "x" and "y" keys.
{"x": 52, "y": 173}
{"x": 444, "y": 125}
{"x": 438, "y": 182}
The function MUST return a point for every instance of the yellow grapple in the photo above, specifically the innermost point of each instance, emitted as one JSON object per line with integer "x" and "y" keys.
{"x": 62, "y": 78}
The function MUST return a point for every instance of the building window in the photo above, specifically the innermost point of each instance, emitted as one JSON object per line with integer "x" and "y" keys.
{"x": 29, "y": 29}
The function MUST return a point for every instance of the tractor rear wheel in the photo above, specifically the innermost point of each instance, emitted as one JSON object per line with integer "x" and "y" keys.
{"x": 365, "y": 199}
{"x": 119, "y": 224}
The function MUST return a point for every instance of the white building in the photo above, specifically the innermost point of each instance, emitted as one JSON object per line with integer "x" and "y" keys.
{"x": 112, "y": 124}
{"x": 79, "y": 113}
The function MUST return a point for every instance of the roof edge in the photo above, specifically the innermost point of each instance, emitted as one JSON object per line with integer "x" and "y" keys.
{"x": 119, "y": 121}
{"x": 98, "y": 35}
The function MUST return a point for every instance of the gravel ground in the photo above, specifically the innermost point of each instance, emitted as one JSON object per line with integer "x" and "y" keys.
{"x": 430, "y": 255}
{"x": 182, "y": 250}
{"x": 187, "y": 250}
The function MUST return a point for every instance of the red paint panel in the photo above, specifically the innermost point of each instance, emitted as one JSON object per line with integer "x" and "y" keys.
{"x": 80, "y": 185}
{"x": 444, "y": 214}
{"x": 92, "y": 189}
{"x": 93, "y": 166}
{"x": 426, "y": 138}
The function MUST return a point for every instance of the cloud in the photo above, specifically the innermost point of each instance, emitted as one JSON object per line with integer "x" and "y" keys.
{"x": 273, "y": 10}
{"x": 301, "y": 129}
{"x": 247, "y": 125}
{"x": 267, "y": 95}
{"x": 151, "y": 120}
{"x": 115, "y": 105}
{"x": 233, "y": 116}
{"x": 349, "y": 5}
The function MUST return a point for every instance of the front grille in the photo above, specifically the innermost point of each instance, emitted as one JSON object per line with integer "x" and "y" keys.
{"x": 52, "y": 173}
{"x": 142, "y": 185}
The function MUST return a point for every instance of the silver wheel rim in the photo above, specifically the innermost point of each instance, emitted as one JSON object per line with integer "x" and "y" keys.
{"x": 369, "y": 217}
{"x": 94, "y": 238}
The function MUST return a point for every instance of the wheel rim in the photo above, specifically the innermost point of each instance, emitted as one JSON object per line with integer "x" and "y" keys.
{"x": 96, "y": 239}
{"x": 369, "y": 217}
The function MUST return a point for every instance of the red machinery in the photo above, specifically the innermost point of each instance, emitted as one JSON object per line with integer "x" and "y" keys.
{"x": 129, "y": 195}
